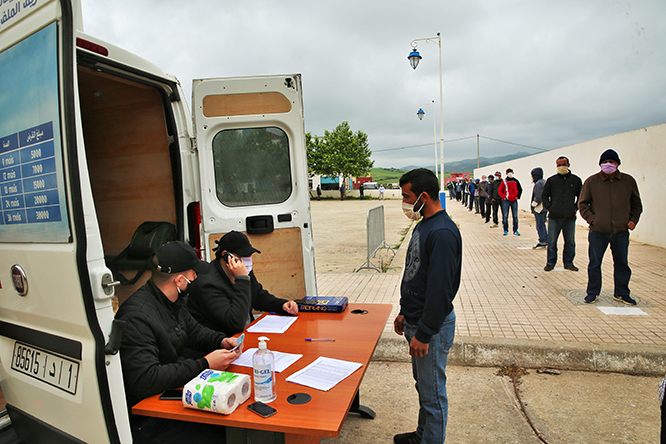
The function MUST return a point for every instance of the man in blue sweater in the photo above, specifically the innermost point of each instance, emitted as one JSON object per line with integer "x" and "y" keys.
{"x": 429, "y": 285}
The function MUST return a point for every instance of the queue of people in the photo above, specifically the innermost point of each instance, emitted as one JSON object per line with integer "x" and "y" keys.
{"x": 609, "y": 201}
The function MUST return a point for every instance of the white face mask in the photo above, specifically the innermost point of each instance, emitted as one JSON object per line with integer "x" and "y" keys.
{"x": 248, "y": 263}
{"x": 509, "y": 175}
{"x": 410, "y": 211}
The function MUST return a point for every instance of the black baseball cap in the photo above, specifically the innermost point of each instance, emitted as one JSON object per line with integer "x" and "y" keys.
{"x": 237, "y": 243}
{"x": 177, "y": 256}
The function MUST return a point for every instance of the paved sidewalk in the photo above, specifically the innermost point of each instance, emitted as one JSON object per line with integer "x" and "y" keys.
{"x": 506, "y": 295}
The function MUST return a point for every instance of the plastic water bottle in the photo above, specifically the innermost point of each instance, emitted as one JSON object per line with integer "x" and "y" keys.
{"x": 263, "y": 365}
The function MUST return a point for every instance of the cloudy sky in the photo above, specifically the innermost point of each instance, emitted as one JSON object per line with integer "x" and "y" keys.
{"x": 540, "y": 73}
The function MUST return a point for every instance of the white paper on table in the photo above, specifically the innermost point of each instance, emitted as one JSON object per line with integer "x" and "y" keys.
{"x": 272, "y": 324}
{"x": 324, "y": 373}
{"x": 282, "y": 360}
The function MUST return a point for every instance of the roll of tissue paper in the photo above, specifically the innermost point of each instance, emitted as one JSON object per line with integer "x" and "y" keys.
{"x": 216, "y": 391}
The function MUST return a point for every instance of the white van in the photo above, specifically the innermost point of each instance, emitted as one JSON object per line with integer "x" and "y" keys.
{"x": 93, "y": 142}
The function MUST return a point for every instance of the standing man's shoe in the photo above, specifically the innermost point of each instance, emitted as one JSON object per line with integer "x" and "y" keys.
{"x": 407, "y": 438}
{"x": 548, "y": 267}
{"x": 571, "y": 267}
{"x": 590, "y": 299}
{"x": 506, "y": 233}
{"x": 626, "y": 299}
{"x": 539, "y": 247}
{"x": 515, "y": 233}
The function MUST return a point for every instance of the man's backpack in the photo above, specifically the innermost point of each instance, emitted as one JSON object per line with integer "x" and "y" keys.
{"x": 138, "y": 254}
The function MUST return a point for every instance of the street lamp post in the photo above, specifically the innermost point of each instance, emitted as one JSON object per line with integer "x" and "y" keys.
{"x": 420, "y": 113}
{"x": 414, "y": 59}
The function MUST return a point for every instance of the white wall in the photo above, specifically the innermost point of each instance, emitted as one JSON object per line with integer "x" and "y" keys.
{"x": 643, "y": 156}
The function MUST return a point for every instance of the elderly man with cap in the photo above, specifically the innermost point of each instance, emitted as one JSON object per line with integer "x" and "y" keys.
{"x": 611, "y": 205}
{"x": 223, "y": 300}
{"x": 157, "y": 329}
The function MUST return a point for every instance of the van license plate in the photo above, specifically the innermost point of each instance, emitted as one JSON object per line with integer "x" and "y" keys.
{"x": 54, "y": 370}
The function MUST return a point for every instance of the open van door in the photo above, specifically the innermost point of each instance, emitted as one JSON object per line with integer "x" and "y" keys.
{"x": 253, "y": 168}
{"x": 55, "y": 313}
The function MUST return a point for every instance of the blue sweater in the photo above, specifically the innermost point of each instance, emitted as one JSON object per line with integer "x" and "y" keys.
{"x": 432, "y": 274}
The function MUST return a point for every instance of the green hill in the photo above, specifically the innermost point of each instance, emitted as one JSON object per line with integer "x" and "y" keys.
{"x": 386, "y": 175}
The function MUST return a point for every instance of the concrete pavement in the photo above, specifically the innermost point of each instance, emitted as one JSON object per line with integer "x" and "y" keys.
{"x": 571, "y": 408}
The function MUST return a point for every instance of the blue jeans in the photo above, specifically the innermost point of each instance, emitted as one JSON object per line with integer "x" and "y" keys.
{"x": 619, "y": 243}
{"x": 541, "y": 227}
{"x": 430, "y": 375}
{"x": 506, "y": 204}
{"x": 568, "y": 229}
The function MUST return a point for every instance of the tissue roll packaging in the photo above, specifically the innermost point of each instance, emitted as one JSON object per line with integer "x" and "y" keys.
{"x": 216, "y": 391}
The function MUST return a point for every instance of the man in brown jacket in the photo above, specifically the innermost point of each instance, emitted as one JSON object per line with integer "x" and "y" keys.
{"x": 611, "y": 205}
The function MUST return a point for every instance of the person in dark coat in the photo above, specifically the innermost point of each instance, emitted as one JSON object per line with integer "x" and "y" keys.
{"x": 157, "y": 330}
{"x": 537, "y": 208}
{"x": 560, "y": 198}
{"x": 611, "y": 204}
{"x": 224, "y": 299}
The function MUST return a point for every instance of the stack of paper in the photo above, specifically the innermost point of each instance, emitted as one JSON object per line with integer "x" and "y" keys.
{"x": 324, "y": 373}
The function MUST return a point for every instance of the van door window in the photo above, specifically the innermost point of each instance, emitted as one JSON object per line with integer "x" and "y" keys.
{"x": 252, "y": 166}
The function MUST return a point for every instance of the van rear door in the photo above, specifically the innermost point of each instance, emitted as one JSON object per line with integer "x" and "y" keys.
{"x": 253, "y": 168}
{"x": 55, "y": 314}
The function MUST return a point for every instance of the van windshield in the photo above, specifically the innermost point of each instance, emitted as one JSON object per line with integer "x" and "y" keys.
{"x": 252, "y": 166}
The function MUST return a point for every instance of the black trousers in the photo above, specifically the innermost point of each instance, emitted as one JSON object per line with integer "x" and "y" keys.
{"x": 496, "y": 205}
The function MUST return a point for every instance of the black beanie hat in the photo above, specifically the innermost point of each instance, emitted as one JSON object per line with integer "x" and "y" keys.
{"x": 609, "y": 154}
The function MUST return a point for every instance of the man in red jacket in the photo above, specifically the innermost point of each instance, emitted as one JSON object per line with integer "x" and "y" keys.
{"x": 510, "y": 191}
{"x": 611, "y": 205}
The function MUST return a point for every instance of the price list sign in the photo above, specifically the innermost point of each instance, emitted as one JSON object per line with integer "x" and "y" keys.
{"x": 29, "y": 177}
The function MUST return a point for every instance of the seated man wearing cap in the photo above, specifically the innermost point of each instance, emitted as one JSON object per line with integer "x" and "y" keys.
{"x": 157, "y": 329}
{"x": 223, "y": 300}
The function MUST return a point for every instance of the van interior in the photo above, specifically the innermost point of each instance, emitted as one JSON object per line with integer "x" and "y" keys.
{"x": 132, "y": 158}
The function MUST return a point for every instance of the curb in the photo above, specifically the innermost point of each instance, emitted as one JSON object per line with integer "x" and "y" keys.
{"x": 629, "y": 359}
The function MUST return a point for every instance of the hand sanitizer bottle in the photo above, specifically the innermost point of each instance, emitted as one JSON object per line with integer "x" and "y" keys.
{"x": 263, "y": 364}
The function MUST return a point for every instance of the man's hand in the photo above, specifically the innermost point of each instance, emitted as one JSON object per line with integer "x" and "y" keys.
{"x": 237, "y": 267}
{"x": 417, "y": 348}
{"x": 631, "y": 225}
{"x": 290, "y": 307}
{"x": 399, "y": 324}
{"x": 220, "y": 359}
{"x": 229, "y": 343}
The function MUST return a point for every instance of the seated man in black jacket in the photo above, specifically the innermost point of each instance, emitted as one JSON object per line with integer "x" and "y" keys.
{"x": 223, "y": 300}
{"x": 157, "y": 330}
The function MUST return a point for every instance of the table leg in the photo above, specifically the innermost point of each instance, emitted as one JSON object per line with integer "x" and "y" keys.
{"x": 356, "y": 407}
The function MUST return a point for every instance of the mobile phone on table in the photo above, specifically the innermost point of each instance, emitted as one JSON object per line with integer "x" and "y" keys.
{"x": 239, "y": 342}
{"x": 262, "y": 409}
{"x": 172, "y": 395}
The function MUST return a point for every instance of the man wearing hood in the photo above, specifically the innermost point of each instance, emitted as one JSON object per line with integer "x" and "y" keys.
{"x": 611, "y": 204}
{"x": 538, "y": 209}
{"x": 560, "y": 198}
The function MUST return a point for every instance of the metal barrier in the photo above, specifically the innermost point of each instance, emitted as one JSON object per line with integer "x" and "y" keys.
{"x": 376, "y": 236}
